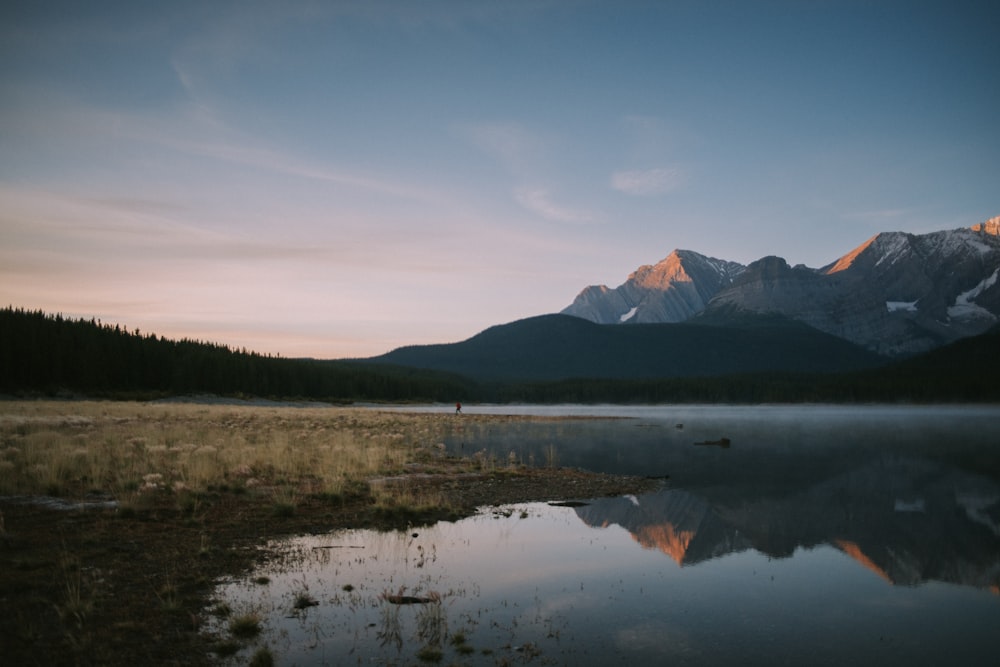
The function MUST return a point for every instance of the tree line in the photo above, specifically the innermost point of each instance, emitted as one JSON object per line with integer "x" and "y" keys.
{"x": 42, "y": 354}
{"x": 50, "y": 354}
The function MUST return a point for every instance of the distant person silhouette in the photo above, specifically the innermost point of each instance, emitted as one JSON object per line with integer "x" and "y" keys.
{"x": 458, "y": 408}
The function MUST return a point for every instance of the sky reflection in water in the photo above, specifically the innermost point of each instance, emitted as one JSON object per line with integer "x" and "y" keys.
{"x": 782, "y": 549}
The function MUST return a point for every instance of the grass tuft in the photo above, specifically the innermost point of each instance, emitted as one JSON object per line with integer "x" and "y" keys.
{"x": 226, "y": 649}
{"x": 303, "y": 601}
{"x": 262, "y": 657}
{"x": 222, "y": 610}
{"x": 430, "y": 654}
{"x": 245, "y": 626}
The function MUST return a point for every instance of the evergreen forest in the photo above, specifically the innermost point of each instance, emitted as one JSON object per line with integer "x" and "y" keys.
{"x": 51, "y": 355}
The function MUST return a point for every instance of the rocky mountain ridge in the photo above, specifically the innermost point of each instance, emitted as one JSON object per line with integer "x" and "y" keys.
{"x": 897, "y": 294}
{"x": 673, "y": 290}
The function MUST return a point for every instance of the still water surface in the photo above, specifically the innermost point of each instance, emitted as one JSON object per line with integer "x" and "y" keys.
{"x": 820, "y": 535}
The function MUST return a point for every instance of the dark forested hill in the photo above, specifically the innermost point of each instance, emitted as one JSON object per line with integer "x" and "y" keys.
{"x": 46, "y": 354}
{"x": 966, "y": 370}
{"x": 559, "y": 347}
{"x": 546, "y": 359}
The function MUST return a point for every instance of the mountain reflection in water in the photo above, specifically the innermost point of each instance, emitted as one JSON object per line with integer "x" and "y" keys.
{"x": 910, "y": 492}
{"x": 909, "y": 521}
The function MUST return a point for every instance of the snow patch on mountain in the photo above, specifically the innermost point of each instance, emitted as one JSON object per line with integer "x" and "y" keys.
{"x": 964, "y": 308}
{"x": 894, "y": 249}
{"x": 980, "y": 247}
{"x": 726, "y": 270}
{"x": 901, "y": 306}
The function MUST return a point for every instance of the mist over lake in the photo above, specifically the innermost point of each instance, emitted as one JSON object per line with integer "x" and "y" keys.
{"x": 782, "y": 534}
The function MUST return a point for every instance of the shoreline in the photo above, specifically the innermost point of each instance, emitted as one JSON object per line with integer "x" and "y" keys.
{"x": 112, "y": 587}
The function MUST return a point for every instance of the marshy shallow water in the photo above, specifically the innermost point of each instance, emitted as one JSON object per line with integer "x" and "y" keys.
{"x": 821, "y": 535}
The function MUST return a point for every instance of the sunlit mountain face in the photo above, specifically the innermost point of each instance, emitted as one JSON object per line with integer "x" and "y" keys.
{"x": 672, "y": 290}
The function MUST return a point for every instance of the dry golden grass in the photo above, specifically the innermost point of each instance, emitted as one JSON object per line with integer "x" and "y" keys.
{"x": 200, "y": 488}
{"x": 133, "y": 450}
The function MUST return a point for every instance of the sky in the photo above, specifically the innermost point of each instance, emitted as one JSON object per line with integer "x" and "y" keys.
{"x": 338, "y": 179}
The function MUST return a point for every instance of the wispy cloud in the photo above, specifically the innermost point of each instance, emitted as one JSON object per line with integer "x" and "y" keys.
{"x": 78, "y": 129}
{"x": 526, "y": 155}
{"x": 284, "y": 163}
{"x": 538, "y": 201}
{"x": 646, "y": 182}
{"x": 51, "y": 232}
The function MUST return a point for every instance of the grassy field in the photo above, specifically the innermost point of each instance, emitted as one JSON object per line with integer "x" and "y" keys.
{"x": 141, "y": 453}
{"x": 146, "y": 506}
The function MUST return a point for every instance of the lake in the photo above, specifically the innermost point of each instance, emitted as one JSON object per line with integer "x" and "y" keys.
{"x": 783, "y": 535}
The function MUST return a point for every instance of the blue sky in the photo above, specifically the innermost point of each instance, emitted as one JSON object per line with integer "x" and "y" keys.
{"x": 336, "y": 179}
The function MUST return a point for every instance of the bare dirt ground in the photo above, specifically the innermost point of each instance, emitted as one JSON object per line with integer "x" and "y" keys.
{"x": 109, "y": 587}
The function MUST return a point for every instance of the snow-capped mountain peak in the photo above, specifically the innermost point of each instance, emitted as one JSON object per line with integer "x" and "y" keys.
{"x": 897, "y": 293}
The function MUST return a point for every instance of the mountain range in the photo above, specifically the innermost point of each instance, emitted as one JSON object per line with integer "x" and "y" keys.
{"x": 897, "y": 294}
{"x": 892, "y": 298}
